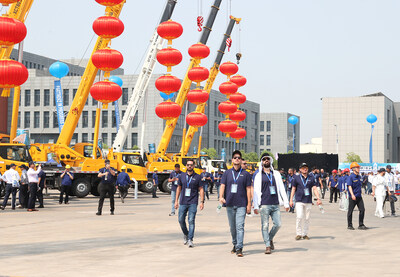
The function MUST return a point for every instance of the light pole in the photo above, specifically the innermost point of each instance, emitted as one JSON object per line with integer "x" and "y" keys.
{"x": 293, "y": 120}
{"x": 337, "y": 140}
{"x": 371, "y": 119}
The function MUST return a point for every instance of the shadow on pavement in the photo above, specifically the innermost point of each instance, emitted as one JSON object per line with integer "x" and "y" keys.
{"x": 322, "y": 237}
{"x": 210, "y": 243}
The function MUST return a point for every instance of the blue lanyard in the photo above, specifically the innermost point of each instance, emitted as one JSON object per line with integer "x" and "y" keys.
{"x": 304, "y": 184}
{"x": 290, "y": 179}
{"x": 233, "y": 175}
{"x": 188, "y": 183}
{"x": 270, "y": 178}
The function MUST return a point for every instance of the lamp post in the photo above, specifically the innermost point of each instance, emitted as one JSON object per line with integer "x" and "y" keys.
{"x": 337, "y": 140}
{"x": 293, "y": 120}
{"x": 371, "y": 119}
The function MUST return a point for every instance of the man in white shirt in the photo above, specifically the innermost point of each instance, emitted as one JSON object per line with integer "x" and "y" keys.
{"x": 389, "y": 176}
{"x": 33, "y": 185}
{"x": 11, "y": 177}
{"x": 379, "y": 190}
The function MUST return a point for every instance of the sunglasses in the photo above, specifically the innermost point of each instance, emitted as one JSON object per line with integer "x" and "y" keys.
{"x": 236, "y": 158}
{"x": 244, "y": 163}
{"x": 265, "y": 159}
{"x": 189, "y": 165}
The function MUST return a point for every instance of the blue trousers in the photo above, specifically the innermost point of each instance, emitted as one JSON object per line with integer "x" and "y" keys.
{"x": 183, "y": 211}
{"x": 274, "y": 212}
{"x": 236, "y": 217}
{"x": 13, "y": 192}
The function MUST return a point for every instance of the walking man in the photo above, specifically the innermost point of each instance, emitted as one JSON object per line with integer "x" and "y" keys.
{"x": 123, "y": 182}
{"x": 322, "y": 180}
{"x": 235, "y": 193}
{"x": 333, "y": 184}
{"x": 269, "y": 194}
{"x": 66, "y": 183}
{"x": 42, "y": 185}
{"x": 23, "y": 189}
{"x": 217, "y": 180}
{"x": 354, "y": 185}
{"x": 33, "y": 177}
{"x": 205, "y": 180}
{"x": 301, "y": 189}
{"x": 289, "y": 187}
{"x": 187, "y": 198}
{"x": 106, "y": 186}
{"x": 344, "y": 197}
{"x": 11, "y": 177}
{"x": 379, "y": 190}
{"x": 174, "y": 179}
{"x": 155, "y": 182}
{"x": 390, "y": 180}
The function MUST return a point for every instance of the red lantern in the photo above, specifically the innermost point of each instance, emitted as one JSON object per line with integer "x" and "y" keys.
{"x": 168, "y": 84}
{"x": 12, "y": 74}
{"x": 12, "y": 31}
{"x": 108, "y": 27}
{"x": 197, "y": 96}
{"x": 107, "y": 59}
{"x": 109, "y": 3}
{"x": 106, "y": 92}
{"x": 237, "y": 98}
{"x": 238, "y": 80}
{"x": 228, "y": 88}
{"x": 196, "y": 120}
{"x": 198, "y": 74}
{"x": 227, "y": 127}
{"x": 228, "y": 68}
{"x": 238, "y": 134}
{"x": 169, "y": 57}
{"x": 199, "y": 51}
{"x": 168, "y": 110}
{"x": 227, "y": 107}
{"x": 170, "y": 30}
{"x": 238, "y": 116}
{"x": 8, "y": 2}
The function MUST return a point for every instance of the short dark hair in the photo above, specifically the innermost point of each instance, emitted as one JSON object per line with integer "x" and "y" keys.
{"x": 189, "y": 160}
{"x": 237, "y": 152}
{"x": 107, "y": 161}
{"x": 178, "y": 165}
{"x": 314, "y": 168}
{"x": 31, "y": 163}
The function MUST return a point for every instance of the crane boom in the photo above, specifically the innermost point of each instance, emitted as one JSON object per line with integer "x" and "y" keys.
{"x": 86, "y": 82}
{"x": 186, "y": 83}
{"x": 156, "y": 44}
{"x": 213, "y": 74}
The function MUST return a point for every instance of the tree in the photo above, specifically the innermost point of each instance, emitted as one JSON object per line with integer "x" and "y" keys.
{"x": 353, "y": 157}
{"x": 135, "y": 147}
{"x": 250, "y": 157}
{"x": 210, "y": 152}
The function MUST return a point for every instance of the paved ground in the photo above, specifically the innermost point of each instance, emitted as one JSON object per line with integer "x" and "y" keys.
{"x": 142, "y": 240}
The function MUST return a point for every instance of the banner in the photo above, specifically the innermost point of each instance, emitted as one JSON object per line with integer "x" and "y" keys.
{"x": 59, "y": 104}
{"x": 372, "y": 167}
{"x": 117, "y": 117}
{"x": 26, "y": 133}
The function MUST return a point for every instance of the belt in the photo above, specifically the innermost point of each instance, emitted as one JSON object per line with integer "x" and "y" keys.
{"x": 33, "y": 183}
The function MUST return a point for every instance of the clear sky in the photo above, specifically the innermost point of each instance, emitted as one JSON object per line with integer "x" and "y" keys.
{"x": 294, "y": 51}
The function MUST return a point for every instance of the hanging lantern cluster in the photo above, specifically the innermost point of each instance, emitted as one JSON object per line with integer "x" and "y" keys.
{"x": 169, "y": 57}
{"x": 12, "y": 31}
{"x": 230, "y": 108}
{"x": 106, "y": 59}
{"x": 8, "y": 2}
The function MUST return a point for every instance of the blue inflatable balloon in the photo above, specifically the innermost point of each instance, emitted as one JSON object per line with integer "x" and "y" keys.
{"x": 372, "y": 118}
{"x": 116, "y": 80}
{"x": 293, "y": 120}
{"x": 59, "y": 69}
{"x": 166, "y": 96}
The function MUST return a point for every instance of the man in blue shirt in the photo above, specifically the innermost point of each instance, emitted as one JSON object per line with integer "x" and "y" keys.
{"x": 301, "y": 189}
{"x": 106, "y": 186}
{"x": 342, "y": 186}
{"x": 174, "y": 179}
{"x": 123, "y": 182}
{"x": 217, "y": 180}
{"x": 289, "y": 187}
{"x": 41, "y": 186}
{"x": 235, "y": 193}
{"x": 269, "y": 194}
{"x": 317, "y": 176}
{"x": 155, "y": 182}
{"x": 354, "y": 184}
{"x": 333, "y": 184}
{"x": 205, "y": 180}
{"x": 66, "y": 183}
{"x": 190, "y": 186}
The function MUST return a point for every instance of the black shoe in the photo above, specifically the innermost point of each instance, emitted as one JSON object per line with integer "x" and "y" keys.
{"x": 98, "y": 213}
{"x": 13, "y": 208}
{"x": 1, "y": 207}
{"x": 155, "y": 197}
{"x": 362, "y": 227}
{"x": 60, "y": 203}
{"x": 350, "y": 227}
{"x": 394, "y": 215}
{"x": 272, "y": 245}
{"x": 233, "y": 251}
{"x": 111, "y": 213}
{"x": 40, "y": 207}
{"x": 239, "y": 252}
{"x": 330, "y": 201}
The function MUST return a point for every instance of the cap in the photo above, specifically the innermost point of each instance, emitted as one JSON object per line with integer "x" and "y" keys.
{"x": 354, "y": 164}
{"x": 13, "y": 164}
{"x": 67, "y": 166}
{"x": 381, "y": 170}
{"x": 265, "y": 155}
{"x": 123, "y": 167}
{"x": 236, "y": 152}
{"x": 334, "y": 171}
{"x": 389, "y": 166}
{"x": 303, "y": 165}
{"x": 346, "y": 170}
{"x": 154, "y": 169}
{"x": 177, "y": 165}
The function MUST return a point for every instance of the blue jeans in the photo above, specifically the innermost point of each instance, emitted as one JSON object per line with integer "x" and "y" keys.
{"x": 183, "y": 210}
{"x": 236, "y": 217}
{"x": 294, "y": 199}
{"x": 274, "y": 212}
{"x": 217, "y": 185}
{"x": 13, "y": 192}
{"x": 173, "y": 195}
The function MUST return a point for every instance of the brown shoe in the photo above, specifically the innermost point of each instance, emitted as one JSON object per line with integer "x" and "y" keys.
{"x": 268, "y": 250}
{"x": 298, "y": 237}
{"x": 239, "y": 253}
{"x": 306, "y": 238}
{"x": 233, "y": 251}
{"x": 272, "y": 245}
{"x": 30, "y": 210}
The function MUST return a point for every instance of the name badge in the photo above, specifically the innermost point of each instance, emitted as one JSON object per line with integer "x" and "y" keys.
{"x": 234, "y": 188}
{"x": 187, "y": 192}
{"x": 176, "y": 182}
{"x": 272, "y": 190}
{"x": 306, "y": 191}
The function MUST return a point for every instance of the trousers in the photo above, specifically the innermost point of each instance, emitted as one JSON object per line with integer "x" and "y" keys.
{"x": 104, "y": 189}
{"x": 32, "y": 195}
{"x": 380, "y": 199}
{"x": 66, "y": 190}
{"x": 23, "y": 196}
{"x": 360, "y": 205}
{"x": 303, "y": 211}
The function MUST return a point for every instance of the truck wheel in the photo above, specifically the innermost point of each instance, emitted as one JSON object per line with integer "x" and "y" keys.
{"x": 94, "y": 191}
{"x": 2, "y": 189}
{"x": 166, "y": 186}
{"x": 81, "y": 188}
{"x": 148, "y": 186}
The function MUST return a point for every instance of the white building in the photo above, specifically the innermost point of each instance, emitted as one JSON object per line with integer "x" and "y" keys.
{"x": 314, "y": 147}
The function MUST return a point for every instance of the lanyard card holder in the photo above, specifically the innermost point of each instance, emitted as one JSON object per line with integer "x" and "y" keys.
{"x": 306, "y": 191}
{"x": 187, "y": 192}
{"x": 272, "y": 190}
{"x": 234, "y": 188}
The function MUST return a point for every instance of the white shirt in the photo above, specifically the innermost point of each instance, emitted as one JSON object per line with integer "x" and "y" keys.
{"x": 10, "y": 176}
{"x": 390, "y": 180}
{"x": 371, "y": 178}
{"x": 380, "y": 185}
{"x": 33, "y": 175}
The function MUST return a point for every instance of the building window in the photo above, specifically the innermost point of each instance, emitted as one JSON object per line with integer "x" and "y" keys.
{"x": 215, "y": 108}
{"x": 85, "y": 119}
{"x": 87, "y": 101}
{"x": 37, "y": 97}
{"x": 94, "y": 102}
{"x": 268, "y": 126}
{"x": 261, "y": 126}
{"x": 104, "y": 117}
{"x": 55, "y": 120}
{"x": 387, "y": 141}
{"x": 261, "y": 139}
{"x": 47, "y": 97}
{"x": 74, "y": 93}
{"x": 19, "y": 120}
{"x": 113, "y": 135}
{"x": 85, "y": 137}
{"x": 66, "y": 97}
{"x": 27, "y": 120}
{"x": 36, "y": 119}
{"x": 269, "y": 149}
{"x": 135, "y": 120}
{"x": 388, "y": 116}
{"x": 255, "y": 118}
{"x": 215, "y": 127}
{"x": 46, "y": 119}
{"x": 104, "y": 138}
{"x": 125, "y": 96}
{"x": 113, "y": 120}
{"x": 268, "y": 139}
{"x": 74, "y": 138}
{"x": 27, "y": 97}
{"x": 93, "y": 119}
{"x": 134, "y": 139}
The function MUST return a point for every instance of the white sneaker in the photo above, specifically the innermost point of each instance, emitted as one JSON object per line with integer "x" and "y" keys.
{"x": 190, "y": 243}
{"x": 185, "y": 240}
